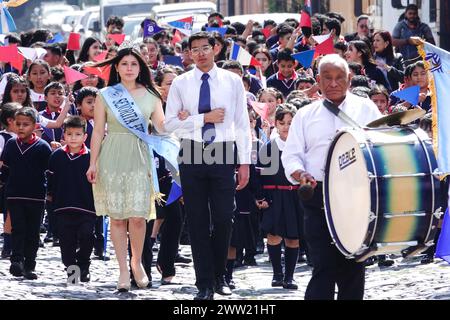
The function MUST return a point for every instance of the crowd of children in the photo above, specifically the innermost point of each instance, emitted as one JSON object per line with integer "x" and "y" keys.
{"x": 48, "y": 123}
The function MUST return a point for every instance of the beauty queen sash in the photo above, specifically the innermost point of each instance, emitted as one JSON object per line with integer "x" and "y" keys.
{"x": 124, "y": 108}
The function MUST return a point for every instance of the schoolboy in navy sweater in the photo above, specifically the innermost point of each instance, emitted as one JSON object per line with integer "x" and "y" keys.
{"x": 285, "y": 79}
{"x": 72, "y": 196}
{"x": 85, "y": 102}
{"x": 27, "y": 158}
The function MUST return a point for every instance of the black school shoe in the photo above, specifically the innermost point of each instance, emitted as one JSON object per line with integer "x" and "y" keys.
{"x": 85, "y": 276}
{"x": 16, "y": 269}
{"x": 277, "y": 280}
{"x": 290, "y": 284}
{"x": 30, "y": 275}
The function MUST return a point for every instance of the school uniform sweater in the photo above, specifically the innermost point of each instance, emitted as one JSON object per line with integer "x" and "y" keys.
{"x": 27, "y": 164}
{"x": 68, "y": 184}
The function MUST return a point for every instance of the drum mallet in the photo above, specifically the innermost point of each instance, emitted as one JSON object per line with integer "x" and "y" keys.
{"x": 306, "y": 191}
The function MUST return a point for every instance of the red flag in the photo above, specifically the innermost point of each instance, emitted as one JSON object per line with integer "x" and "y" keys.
{"x": 102, "y": 72}
{"x": 254, "y": 62}
{"x": 17, "y": 62}
{"x": 118, "y": 38}
{"x": 305, "y": 20}
{"x": 326, "y": 47}
{"x": 72, "y": 75}
{"x": 261, "y": 108}
{"x": 101, "y": 57}
{"x": 6, "y": 53}
{"x": 176, "y": 37}
{"x": 219, "y": 20}
{"x": 267, "y": 31}
{"x": 73, "y": 43}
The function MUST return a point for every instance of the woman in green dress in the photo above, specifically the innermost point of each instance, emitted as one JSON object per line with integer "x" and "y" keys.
{"x": 120, "y": 167}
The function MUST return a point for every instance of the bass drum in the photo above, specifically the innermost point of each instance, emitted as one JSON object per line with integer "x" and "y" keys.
{"x": 381, "y": 192}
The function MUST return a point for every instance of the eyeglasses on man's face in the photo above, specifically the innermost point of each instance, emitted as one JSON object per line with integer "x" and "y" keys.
{"x": 204, "y": 50}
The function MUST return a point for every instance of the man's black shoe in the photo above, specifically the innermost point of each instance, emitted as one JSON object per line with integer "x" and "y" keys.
{"x": 250, "y": 262}
{"x": 205, "y": 294}
{"x": 16, "y": 269}
{"x": 30, "y": 275}
{"x": 277, "y": 280}
{"x": 231, "y": 284}
{"x": 182, "y": 259}
{"x": 85, "y": 276}
{"x": 221, "y": 287}
{"x": 56, "y": 242}
{"x": 290, "y": 284}
{"x": 48, "y": 238}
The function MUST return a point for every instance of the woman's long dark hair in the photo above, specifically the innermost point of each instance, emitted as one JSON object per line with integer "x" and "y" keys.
{"x": 84, "y": 52}
{"x": 144, "y": 78}
{"x": 388, "y": 52}
{"x": 366, "y": 53}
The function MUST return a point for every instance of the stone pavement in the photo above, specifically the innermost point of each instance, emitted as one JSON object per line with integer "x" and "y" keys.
{"x": 407, "y": 279}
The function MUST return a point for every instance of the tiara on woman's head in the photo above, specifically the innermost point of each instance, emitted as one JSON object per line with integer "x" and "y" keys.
{"x": 128, "y": 44}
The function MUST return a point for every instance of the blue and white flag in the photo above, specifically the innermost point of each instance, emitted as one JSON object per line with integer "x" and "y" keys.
{"x": 239, "y": 54}
{"x": 438, "y": 65}
{"x": 6, "y": 21}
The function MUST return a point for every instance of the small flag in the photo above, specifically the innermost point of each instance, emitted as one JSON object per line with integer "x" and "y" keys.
{"x": 8, "y": 53}
{"x": 410, "y": 94}
{"x": 118, "y": 38}
{"x": 56, "y": 39}
{"x": 32, "y": 53}
{"x": 175, "y": 193}
{"x": 151, "y": 28}
{"x": 101, "y": 57}
{"x": 173, "y": 60}
{"x": 17, "y": 62}
{"x": 219, "y": 21}
{"x": 183, "y": 25}
{"x": 3, "y": 84}
{"x": 102, "y": 72}
{"x": 239, "y": 54}
{"x": 305, "y": 57}
{"x": 443, "y": 244}
{"x": 326, "y": 47}
{"x": 177, "y": 37}
{"x": 6, "y": 21}
{"x": 222, "y": 31}
{"x": 73, "y": 43}
{"x": 72, "y": 75}
{"x": 267, "y": 31}
{"x": 306, "y": 13}
{"x": 262, "y": 109}
{"x": 321, "y": 38}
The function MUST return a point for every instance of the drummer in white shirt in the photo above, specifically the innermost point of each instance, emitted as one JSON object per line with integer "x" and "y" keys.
{"x": 311, "y": 132}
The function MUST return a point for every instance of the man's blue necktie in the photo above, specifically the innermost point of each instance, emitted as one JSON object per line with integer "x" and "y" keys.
{"x": 204, "y": 106}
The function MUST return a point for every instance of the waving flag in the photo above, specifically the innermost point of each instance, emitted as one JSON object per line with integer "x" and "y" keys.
{"x": 151, "y": 28}
{"x": 6, "y": 21}
{"x": 438, "y": 65}
{"x": 183, "y": 25}
{"x": 305, "y": 19}
{"x": 239, "y": 54}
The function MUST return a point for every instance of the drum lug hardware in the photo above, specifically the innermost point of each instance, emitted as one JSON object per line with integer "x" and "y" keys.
{"x": 371, "y": 176}
{"x": 362, "y": 249}
{"x": 437, "y": 174}
{"x": 438, "y": 213}
{"x": 372, "y": 216}
{"x": 429, "y": 243}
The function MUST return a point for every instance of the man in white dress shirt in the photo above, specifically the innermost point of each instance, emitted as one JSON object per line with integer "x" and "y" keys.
{"x": 207, "y": 109}
{"x": 311, "y": 133}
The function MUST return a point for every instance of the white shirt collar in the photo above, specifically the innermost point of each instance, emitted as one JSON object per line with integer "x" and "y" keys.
{"x": 212, "y": 73}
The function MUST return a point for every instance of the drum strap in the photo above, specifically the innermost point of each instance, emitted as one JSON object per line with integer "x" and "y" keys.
{"x": 334, "y": 109}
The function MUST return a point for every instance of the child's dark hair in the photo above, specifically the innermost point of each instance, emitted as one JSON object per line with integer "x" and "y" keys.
{"x": 305, "y": 79}
{"x": 232, "y": 64}
{"x": 360, "y": 81}
{"x": 8, "y": 111}
{"x": 285, "y": 55}
{"x": 271, "y": 90}
{"x": 341, "y": 46}
{"x": 410, "y": 68}
{"x": 284, "y": 109}
{"x": 29, "y": 113}
{"x": 356, "y": 68}
{"x": 57, "y": 73}
{"x": 74, "y": 122}
{"x": 53, "y": 85}
{"x": 379, "y": 89}
{"x": 14, "y": 80}
{"x": 84, "y": 93}
{"x": 37, "y": 62}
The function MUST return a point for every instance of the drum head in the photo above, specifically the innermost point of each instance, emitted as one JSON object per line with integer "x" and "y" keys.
{"x": 348, "y": 195}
